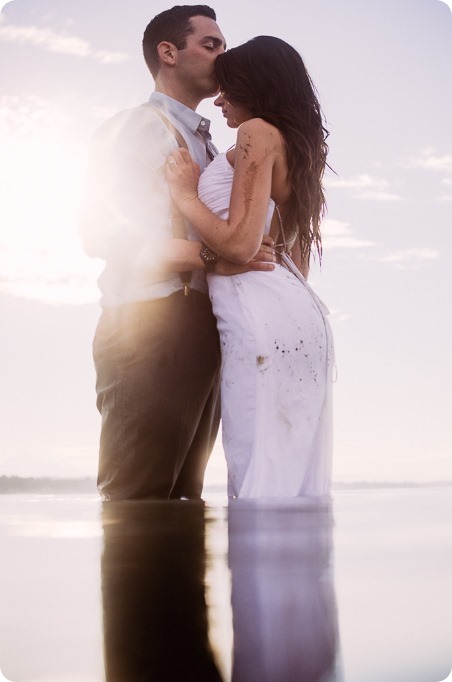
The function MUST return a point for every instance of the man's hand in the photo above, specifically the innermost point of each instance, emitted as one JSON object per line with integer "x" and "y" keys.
{"x": 182, "y": 174}
{"x": 263, "y": 261}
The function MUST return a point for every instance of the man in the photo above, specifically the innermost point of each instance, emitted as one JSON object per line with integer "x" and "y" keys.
{"x": 156, "y": 349}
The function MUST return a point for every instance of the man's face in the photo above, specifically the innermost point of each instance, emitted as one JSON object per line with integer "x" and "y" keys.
{"x": 195, "y": 63}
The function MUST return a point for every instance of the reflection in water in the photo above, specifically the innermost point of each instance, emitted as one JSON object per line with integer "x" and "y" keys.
{"x": 154, "y": 580}
{"x": 283, "y": 600}
{"x": 155, "y": 616}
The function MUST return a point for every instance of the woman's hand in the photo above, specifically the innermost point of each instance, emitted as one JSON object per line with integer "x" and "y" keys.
{"x": 263, "y": 261}
{"x": 182, "y": 174}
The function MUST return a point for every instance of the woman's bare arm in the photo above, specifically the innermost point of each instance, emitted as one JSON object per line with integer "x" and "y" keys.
{"x": 238, "y": 239}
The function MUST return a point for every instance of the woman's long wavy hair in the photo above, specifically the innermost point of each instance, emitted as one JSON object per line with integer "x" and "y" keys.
{"x": 268, "y": 77}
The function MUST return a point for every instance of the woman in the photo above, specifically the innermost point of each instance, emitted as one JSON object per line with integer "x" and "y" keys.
{"x": 277, "y": 351}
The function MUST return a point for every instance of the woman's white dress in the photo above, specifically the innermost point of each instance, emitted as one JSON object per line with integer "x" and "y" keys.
{"x": 277, "y": 366}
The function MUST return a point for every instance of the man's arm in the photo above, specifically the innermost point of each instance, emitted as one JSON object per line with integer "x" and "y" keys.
{"x": 126, "y": 207}
{"x": 126, "y": 211}
{"x": 181, "y": 255}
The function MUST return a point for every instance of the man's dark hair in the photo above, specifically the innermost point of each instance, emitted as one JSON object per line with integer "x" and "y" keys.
{"x": 172, "y": 25}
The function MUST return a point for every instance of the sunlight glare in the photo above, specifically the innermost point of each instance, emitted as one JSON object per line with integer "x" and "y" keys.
{"x": 41, "y": 175}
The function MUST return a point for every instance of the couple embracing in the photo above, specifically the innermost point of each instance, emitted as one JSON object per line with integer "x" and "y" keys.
{"x": 205, "y": 283}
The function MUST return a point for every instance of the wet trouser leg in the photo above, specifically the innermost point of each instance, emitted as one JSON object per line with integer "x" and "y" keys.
{"x": 157, "y": 365}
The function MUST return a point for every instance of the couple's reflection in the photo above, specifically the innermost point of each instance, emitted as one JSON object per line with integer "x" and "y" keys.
{"x": 283, "y": 599}
{"x": 155, "y": 616}
{"x": 153, "y": 585}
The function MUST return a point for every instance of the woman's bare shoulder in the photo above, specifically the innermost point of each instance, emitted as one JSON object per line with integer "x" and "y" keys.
{"x": 258, "y": 126}
{"x": 258, "y": 134}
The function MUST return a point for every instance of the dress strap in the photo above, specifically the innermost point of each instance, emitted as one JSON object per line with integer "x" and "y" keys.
{"x": 281, "y": 230}
{"x": 287, "y": 262}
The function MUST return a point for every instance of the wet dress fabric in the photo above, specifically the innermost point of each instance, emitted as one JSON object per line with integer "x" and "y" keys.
{"x": 277, "y": 366}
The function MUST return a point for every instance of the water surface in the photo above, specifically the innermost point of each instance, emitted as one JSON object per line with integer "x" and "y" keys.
{"x": 181, "y": 590}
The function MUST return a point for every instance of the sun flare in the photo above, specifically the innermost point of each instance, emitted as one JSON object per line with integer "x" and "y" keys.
{"x": 41, "y": 177}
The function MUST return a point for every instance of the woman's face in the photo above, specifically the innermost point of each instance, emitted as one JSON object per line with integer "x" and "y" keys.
{"x": 234, "y": 114}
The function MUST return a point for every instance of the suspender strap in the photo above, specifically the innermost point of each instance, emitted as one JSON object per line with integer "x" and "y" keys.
{"x": 177, "y": 219}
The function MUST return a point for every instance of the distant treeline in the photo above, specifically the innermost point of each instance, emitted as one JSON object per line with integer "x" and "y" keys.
{"x": 17, "y": 484}
{"x": 363, "y": 485}
{"x": 44, "y": 486}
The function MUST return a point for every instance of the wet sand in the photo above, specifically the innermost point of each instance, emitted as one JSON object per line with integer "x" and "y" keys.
{"x": 254, "y": 593}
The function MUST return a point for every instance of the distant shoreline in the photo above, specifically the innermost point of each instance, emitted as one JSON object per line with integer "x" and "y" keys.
{"x": 18, "y": 484}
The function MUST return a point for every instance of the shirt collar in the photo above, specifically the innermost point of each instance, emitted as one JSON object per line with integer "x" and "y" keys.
{"x": 189, "y": 118}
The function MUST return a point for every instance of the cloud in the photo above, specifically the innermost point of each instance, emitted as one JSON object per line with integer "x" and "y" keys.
{"x": 45, "y": 38}
{"x": 364, "y": 186}
{"x": 105, "y": 57}
{"x": 447, "y": 182}
{"x": 428, "y": 159}
{"x": 338, "y": 235}
{"x": 61, "y": 43}
{"x": 410, "y": 259}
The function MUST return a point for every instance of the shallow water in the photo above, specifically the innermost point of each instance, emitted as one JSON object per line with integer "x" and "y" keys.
{"x": 181, "y": 590}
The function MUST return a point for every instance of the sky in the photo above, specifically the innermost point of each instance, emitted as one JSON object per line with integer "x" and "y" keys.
{"x": 382, "y": 70}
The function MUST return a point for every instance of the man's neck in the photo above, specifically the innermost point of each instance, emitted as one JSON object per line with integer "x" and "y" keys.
{"x": 178, "y": 93}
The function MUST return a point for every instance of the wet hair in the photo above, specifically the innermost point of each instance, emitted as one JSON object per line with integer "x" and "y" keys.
{"x": 268, "y": 76}
{"x": 172, "y": 25}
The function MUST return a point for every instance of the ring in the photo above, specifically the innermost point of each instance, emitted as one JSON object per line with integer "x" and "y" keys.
{"x": 172, "y": 161}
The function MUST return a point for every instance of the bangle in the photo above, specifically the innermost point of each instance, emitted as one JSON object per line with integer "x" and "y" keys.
{"x": 208, "y": 257}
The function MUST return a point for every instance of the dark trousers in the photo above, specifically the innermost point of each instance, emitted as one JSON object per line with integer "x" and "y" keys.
{"x": 157, "y": 365}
